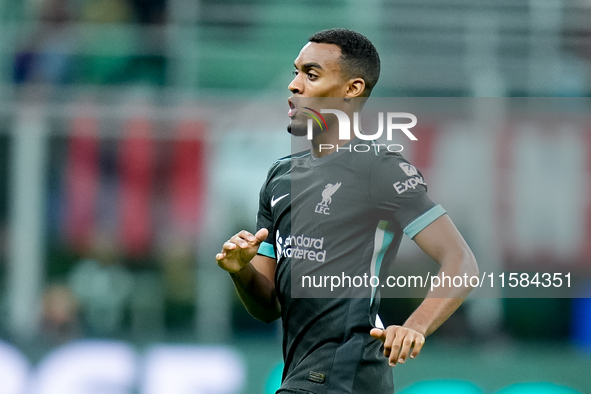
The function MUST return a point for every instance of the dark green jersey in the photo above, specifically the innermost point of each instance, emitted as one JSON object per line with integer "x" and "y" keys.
{"x": 340, "y": 215}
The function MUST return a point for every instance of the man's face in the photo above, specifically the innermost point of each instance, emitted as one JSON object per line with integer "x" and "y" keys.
{"x": 317, "y": 74}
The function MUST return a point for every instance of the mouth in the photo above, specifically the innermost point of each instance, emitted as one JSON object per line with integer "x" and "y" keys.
{"x": 292, "y": 108}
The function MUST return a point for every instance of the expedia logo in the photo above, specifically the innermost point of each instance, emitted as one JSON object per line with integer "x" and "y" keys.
{"x": 409, "y": 169}
{"x": 410, "y": 183}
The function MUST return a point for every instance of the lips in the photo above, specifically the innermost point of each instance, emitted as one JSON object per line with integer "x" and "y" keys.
{"x": 292, "y": 109}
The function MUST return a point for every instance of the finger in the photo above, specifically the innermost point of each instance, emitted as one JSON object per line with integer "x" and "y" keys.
{"x": 241, "y": 242}
{"x": 406, "y": 345}
{"x": 417, "y": 347}
{"x": 378, "y": 334}
{"x": 228, "y": 246}
{"x": 390, "y": 337}
{"x": 220, "y": 256}
{"x": 261, "y": 235}
{"x": 396, "y": 345}
{"x": 246, "y": 236}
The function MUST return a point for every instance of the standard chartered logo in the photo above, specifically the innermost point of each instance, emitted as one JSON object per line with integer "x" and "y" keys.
{"x": 300, "y": 247}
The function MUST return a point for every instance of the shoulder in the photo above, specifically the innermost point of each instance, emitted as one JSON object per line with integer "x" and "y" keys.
{"x": 387, "y": 160}
{"x": 297, "y": 155}
{"x": 396, "y": 169}
{"x": 283, "y": 164}
{"x": 384, "y": 155}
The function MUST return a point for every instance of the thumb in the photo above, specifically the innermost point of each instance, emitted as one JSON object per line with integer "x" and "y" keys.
{"x": 378, "y": 333}
{"x": 260, "y": 236}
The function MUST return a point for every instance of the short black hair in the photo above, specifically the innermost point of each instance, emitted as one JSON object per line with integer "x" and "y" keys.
{"x": 359, "y": 57}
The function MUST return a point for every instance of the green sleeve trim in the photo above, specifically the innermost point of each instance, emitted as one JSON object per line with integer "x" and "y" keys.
{"x": 266, "y": 249}
{"x": 417, "y": 225}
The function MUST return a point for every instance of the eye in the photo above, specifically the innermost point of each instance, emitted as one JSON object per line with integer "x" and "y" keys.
{"x": 295, "y": 72}
{"x": 312, "y": 77}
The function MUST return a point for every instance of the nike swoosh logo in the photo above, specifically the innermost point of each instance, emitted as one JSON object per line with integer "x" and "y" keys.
{"x": 275, "y": 201}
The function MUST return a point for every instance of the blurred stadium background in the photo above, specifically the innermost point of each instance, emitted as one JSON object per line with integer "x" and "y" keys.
{"x": 134, "y": 137}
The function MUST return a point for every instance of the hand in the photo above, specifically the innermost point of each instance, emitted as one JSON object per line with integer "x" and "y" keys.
{"x": 398, "y": 340}
{"x": 240, "y": 249}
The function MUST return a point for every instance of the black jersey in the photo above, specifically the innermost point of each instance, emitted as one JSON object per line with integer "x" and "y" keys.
{"x": 343, "y": 214}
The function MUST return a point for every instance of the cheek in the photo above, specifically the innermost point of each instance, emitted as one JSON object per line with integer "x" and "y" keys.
{"x": 327, "y": 87}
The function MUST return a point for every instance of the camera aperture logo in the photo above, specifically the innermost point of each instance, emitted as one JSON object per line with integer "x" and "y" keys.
{"x": 316, "y": 116}
{"x": 345, "y": 129}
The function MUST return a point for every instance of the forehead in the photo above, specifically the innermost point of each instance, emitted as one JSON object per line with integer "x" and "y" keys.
{"x": 326, "y": 55}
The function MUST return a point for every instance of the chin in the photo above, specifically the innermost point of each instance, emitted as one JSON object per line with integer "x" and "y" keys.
{"x": 297, "y": 129}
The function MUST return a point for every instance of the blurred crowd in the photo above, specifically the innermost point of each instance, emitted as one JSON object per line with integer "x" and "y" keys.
{"x": 124, "y": 213}
{"x": 123, "y": 218}
{"x": 56, "y": 52}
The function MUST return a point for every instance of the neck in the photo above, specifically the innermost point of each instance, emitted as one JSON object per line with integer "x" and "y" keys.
{"x": 326, "y": 143}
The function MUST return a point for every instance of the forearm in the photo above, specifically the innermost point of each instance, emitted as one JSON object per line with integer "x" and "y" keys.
{"x": 442, "y": 302}
{"x": 432, "y": 313}
{"x": 257, "y": 294}
{"x": 443, "y": 243}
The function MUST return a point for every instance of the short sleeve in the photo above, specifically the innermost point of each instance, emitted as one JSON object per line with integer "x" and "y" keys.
{"x": 265, "y": 220}
{"x": 399, "y": 191}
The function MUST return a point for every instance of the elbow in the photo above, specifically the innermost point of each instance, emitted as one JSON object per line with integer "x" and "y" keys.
{"x": 469, "y": 264}
{"x": 476, "y": 269}
{"x": 472, "y": 265}
{"x": 462, "y": 262}
{"x": 267, "y": 317}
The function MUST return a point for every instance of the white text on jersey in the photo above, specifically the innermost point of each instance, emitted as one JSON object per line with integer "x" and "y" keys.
{"x": 410, "y": 183}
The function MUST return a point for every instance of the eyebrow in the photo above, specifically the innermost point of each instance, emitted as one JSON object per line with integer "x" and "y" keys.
{"x": 310, "y": 65}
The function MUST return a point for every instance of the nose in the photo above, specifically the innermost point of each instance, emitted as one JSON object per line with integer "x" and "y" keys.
{"x": 295, "y": 86}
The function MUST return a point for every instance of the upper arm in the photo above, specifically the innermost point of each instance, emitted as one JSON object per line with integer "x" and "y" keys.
{"x": 266, "y": 254}
{"x": 265, "y": 265}
{"x": 442, "y": 241}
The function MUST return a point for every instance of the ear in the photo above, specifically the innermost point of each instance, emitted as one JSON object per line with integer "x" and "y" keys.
{"x": 355, "y": 88}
